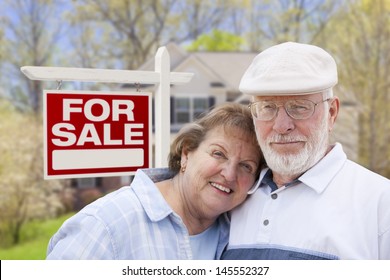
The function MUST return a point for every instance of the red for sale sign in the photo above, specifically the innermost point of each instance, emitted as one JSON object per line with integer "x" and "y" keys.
{"x": 96, "y": 134}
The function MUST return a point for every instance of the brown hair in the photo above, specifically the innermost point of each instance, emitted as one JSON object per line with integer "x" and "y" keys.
{"x": 227, "y": 115}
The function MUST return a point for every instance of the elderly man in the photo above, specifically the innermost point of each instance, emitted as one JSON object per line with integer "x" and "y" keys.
{"x": 312, "y": 202}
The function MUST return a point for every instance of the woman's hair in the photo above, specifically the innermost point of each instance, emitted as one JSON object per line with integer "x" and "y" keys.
{"x": 227, "y": 115}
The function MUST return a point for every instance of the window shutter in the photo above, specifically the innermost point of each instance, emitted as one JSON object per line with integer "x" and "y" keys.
{"x": 173, "y": 110}
{"x": 211, "y": 101}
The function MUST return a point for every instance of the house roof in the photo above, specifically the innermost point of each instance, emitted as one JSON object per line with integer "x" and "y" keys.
{"x": 227, "y": 66}
{"x": 230, "y": 66}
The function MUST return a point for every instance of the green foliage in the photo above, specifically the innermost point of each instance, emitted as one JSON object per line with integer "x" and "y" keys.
{"x": 25, "y": 196}
{"x": 32, "y": 31}
{"x": 217, "y": 41}
{"x": 35, "y": 237}
{"x": 359, "y": 40}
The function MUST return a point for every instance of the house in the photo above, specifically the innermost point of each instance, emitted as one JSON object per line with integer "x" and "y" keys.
{"x": 216, "y": 80}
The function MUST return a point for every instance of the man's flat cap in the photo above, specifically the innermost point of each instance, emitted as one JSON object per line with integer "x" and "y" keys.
{"x": 289, "y": 69}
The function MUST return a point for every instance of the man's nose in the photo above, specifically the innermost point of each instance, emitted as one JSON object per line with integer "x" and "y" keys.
{"x": 283, "y": 123}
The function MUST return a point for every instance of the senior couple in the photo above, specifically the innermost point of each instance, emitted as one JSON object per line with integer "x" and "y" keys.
{"x": 262, "y": 182}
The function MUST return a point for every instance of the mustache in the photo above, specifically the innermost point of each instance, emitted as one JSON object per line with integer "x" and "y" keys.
{"x": 280, "y": 138}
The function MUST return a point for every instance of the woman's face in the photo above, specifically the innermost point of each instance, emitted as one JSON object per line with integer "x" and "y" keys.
{"x": 220, "y": 172}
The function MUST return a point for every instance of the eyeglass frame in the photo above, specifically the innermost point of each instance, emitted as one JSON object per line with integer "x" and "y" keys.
{"x": 284, "y": 106}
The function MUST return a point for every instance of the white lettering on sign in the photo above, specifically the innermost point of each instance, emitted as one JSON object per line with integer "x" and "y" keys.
{"x": 89, "y": 134}
{"x": 129, "y": 133}
{"x": 119, "y": 107}
{"x": 69, "y": 136}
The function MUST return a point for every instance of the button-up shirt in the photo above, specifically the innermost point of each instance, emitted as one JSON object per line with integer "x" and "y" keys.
{"x": 336, "y": 210}
{"x": 134, "y": 222}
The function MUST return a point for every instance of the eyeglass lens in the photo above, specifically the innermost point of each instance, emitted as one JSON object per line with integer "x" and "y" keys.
{"x": 297, "y": 109}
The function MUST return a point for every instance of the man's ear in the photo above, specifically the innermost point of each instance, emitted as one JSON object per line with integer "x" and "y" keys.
{"x": 334, "y": 106}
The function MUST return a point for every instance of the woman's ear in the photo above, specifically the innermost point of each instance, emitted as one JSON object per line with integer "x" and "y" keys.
{"x": 184, "y": 158}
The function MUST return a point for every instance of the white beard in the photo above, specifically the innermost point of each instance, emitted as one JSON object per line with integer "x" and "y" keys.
{"x": 296, "y": 164}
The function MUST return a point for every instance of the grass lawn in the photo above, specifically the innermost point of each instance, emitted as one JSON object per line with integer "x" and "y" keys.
{"x": 37, "y": 236}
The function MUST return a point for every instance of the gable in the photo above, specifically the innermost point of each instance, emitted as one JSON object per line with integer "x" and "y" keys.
{"x": 230, "y": 66}
{"x": 220, "y": 68}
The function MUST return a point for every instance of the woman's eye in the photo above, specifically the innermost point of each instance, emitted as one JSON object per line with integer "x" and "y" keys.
{"x": 218, "y": 154}
{"x": 247, "y": 167}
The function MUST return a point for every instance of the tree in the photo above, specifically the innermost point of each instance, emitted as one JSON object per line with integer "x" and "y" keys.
{"x": 217, "y": 41}
{"x": 24, "y": 195}
{"x": 360, "y": 37}
{"x": 120, "y": 33}
{"x": 2, "y": 44}
{"x": 32, "y": 30}
{"x": 125, "y": 33}
{"x": 273, "y": 22}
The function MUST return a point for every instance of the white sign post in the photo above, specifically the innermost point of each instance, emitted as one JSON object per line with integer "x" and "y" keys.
{"x": 162, "y": 111}
{"x": 162, "y": 77}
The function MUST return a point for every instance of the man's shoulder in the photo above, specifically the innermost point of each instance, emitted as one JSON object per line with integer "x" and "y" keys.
{"x": 360, "y": 172}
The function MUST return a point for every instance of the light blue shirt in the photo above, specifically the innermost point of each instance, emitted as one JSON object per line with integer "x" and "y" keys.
{"x": 134, "y": 222}
{"x": 204, "y": 244}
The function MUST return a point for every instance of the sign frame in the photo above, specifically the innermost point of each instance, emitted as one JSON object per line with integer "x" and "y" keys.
{"x": 88, "y": 163}
{"x": 162, "y": 77}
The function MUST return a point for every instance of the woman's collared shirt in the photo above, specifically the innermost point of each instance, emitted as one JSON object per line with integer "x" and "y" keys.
{"x": 133, "y": 222}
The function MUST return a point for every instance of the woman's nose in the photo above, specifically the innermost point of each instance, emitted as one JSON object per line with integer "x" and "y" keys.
{"x": 229, "y": 171}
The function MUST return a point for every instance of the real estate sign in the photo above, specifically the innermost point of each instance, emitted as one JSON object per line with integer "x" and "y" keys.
{"x": 96, "y": 134}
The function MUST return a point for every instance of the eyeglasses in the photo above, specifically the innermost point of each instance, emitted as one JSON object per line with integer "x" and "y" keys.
{"x": 299, "y": 109}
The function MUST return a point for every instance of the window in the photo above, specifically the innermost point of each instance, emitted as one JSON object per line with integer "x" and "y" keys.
{"x": 87, "y": 183}
{"x": 182, "y": 110}
{"x": 187, "y": 109}
{"x": 200, "y": 105}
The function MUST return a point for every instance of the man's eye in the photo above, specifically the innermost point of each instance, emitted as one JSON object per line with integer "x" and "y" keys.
{"x": 299, "y": 108}
{"x": 296, "y": 106}
{"x": 268, "y": 107}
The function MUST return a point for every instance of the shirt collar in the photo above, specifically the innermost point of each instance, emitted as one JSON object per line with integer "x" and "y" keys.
{"x": 150, "y": 197}
{"x": 258, "y": 182}
{"x": 318, "y": 177}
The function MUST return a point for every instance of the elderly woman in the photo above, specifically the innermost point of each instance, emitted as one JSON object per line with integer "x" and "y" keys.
{"x": 175, "y": 213}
